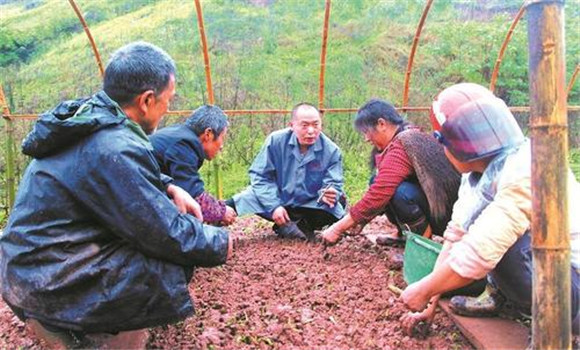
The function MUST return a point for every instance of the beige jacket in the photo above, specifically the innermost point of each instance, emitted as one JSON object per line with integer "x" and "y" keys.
{"x": 487, "y": 220}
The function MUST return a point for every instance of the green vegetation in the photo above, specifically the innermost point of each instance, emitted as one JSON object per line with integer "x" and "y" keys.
{"x": 265, "y": 54}
{"x": 575, "y": 161}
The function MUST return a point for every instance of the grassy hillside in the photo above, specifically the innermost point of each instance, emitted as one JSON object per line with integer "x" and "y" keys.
{"x": 265, "y": 54}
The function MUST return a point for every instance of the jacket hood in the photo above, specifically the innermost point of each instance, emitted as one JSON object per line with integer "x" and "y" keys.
{"x": 70, "y": 122}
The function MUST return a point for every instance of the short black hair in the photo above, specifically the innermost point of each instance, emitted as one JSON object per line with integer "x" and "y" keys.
{"x": 136, "y": 68}
{"x": 369, "y": 114}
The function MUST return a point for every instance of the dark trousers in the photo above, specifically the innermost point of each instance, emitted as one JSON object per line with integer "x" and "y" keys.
{"x": 409, "y": 208}
{"x": 513, "y": 277}
{"x": 307, "y": 219}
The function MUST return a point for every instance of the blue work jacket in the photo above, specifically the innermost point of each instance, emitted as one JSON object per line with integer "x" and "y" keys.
{"x": 282, "y": 176}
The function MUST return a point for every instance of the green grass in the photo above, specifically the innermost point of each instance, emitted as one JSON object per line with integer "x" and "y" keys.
{"x": 268, "y": 57}
{"x": 575, "y": 162}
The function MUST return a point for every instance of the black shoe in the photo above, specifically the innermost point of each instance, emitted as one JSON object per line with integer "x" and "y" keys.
{"x": 290, "y": 231}
{"x": 387, "y": 240}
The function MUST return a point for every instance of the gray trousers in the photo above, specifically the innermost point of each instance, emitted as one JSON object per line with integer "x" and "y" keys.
{"x": 513, "y": 277}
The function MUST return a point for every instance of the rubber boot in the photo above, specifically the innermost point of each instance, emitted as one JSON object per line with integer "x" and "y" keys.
{"x": 487, "y": 304}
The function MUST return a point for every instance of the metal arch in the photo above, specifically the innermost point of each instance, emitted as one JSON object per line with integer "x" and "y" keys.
{"x": 323, "y": 54}
{"x": 90, "y": 36}
{"x": 573, "y": 79}
{"x": 232, "y": 112}
{"x": 504, "y": 45}
{"x": 4, "y": 104}
{"x": 205, "y": 52}
{"x": 412, "y": 54}
{"x": 219, "y": 188}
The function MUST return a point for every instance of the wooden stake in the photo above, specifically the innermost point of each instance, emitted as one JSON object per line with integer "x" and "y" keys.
{"x": 9, "y": 127}
{"x": 551, "y": 319}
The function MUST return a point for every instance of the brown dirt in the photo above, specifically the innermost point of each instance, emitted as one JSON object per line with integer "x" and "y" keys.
{"x": 278, "y": 294}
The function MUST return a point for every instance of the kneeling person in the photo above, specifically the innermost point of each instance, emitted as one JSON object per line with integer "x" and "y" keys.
{"x": 296, "y": 178}
{"x": 93, "y": 243}
{"x": 489, "y": 231}
{"x": 181, "y": 150}
{"x": 415, "y": 185}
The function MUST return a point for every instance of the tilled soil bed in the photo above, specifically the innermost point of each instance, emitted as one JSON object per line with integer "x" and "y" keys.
{"x": 287, "y": 294}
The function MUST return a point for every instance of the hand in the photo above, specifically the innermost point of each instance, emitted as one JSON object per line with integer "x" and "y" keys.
{"x": 184, "y": 202}
{"x": 357, "y": 228}
{"x": 417, "y": 323}
{"x": 229, "y": 216}
{"x": 415, "y": 296}
{"x": 329, "y": 196}
{"x": 280, "y": 216}
{"x": 331, "y": 235}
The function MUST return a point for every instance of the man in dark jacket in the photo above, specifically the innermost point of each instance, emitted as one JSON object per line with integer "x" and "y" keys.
{"x": 181, "y": 150}
{"x": 94, "y": 244}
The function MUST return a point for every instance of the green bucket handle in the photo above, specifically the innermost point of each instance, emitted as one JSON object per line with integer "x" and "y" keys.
{"x": 418, "y": 240}
{"x": 425, "y": 245}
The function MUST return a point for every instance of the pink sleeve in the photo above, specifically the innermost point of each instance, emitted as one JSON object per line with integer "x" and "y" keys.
{"x": 213, "y": 210}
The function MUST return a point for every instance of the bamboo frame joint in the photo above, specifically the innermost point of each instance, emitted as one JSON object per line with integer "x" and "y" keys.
{"x": 542, "y": 126}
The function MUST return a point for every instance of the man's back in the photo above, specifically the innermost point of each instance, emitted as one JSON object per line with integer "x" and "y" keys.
{"x": 180, "y": 155}
{"x": 92, "y": 242}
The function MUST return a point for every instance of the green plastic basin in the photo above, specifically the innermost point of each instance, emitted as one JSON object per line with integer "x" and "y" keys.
{"x": 420, "y": 256}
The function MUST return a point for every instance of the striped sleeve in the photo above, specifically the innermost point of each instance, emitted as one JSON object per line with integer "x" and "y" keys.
{"x": 392, "y": 169}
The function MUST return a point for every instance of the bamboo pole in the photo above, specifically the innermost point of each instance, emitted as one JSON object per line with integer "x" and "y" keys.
{"x": 323, "y": 54}
{"x": 90, "y": 36}
{"x": 205, "y": 52}
{"x": 573, "y": 79}
{"x": 551, "y": 318}
{"x": 9, "y": 127}
{"x": 232, "y": 112}
{"x": 504, "y": 46}
{"x": 413, "y": 50}
{"x": 219, "y": 188}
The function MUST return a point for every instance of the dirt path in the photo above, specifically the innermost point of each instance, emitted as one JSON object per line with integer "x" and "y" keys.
{"x": 284, "y": 295}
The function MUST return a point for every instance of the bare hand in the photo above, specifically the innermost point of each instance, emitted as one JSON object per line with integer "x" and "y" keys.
{"x": 280, "y": 216}
{"x": 184, "y": 202}
{"x": 329, "y": 196}
{"x": 229, "y": 216}
{"x": 331, "y": 235}
{"x": 357, "y": 228}
{"x": 417, "y": 323}
{"x": 415, "y": 297}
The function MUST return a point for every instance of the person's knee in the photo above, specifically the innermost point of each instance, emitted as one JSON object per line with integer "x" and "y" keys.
{"x": 409, "y": 205}
{"x": 410, "y": 199}
{"x": 231, "y": 203}
{"x": 513, "y": 274}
